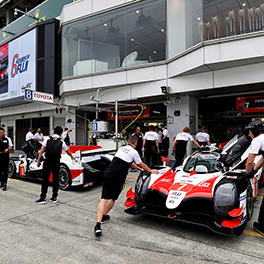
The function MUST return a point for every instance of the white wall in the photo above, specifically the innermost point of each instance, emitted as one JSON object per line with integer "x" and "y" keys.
{"x": 83, "y": 8}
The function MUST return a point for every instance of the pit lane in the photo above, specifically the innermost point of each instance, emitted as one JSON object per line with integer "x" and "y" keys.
{"x": 63, "y": 233}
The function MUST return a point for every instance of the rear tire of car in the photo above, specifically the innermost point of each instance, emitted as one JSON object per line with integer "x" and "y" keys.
{"x": 250, "y": 202}
{"x": 11, "y": 169}
{"x": 65, "y": 179}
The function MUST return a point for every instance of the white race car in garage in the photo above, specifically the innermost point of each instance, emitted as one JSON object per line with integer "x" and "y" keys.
{"x": 87, "y": 169}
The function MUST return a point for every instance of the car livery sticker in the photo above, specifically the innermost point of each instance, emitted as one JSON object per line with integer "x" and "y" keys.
{"x": 174, "y": 199}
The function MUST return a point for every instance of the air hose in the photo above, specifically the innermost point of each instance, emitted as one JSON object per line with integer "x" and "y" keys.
{"x": 142, "y": 109}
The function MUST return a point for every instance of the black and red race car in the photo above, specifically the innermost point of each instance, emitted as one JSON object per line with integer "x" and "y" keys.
{"x": 210, "y": 189}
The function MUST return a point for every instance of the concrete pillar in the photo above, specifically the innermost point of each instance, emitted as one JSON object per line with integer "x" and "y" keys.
{"x": 181, "y": 112}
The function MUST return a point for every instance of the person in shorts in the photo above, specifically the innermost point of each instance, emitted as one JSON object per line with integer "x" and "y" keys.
{"x": 116, "y": 174}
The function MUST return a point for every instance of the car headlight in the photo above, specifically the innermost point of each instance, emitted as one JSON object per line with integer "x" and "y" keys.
{"x": 225, "y": 198}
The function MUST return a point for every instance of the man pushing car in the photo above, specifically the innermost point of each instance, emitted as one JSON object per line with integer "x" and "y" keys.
{"x": 116, "y": 174}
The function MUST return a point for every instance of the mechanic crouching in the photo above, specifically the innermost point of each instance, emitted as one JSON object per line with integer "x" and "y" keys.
{"x": 52, "y": 148}
{"x": 115, "y": 178}
{"x": 5, "y": 146}
{"x": 256, "y": 132}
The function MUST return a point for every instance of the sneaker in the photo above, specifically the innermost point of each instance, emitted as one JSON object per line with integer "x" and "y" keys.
{"x": 259, "y": 228}
{"x": 54, "y": 200}
{"x": 105, "y": 219}
{"x": 98, "y": 230}
{"x": 4, "y": 188}
{"x": 41, "y": 201}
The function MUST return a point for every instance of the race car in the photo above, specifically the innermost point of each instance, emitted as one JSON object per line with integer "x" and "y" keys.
{"x": 211, "y": 189}
{"x": 87, "y": 169}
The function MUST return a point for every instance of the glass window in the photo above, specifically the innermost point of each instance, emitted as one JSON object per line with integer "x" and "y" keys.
{"x": 223, "y": 18}
{"x": 128, "y": 36}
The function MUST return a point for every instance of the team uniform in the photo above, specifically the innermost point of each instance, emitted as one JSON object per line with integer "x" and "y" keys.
{"x": 202, "y": 138}
{"x": 5, "y": 143}
{"x": 53, "y": 148}
{"x": 29, "y": 136}
{"x": 165, "y": 143}
{"x": 256, "y": 147}
{"x": 150, "y": 147}
{"x": 139, "y": 143}
{"x": 39, "y": 137}
{"x": 66, "y": 138}
{"x": 117, "y": 172}
{"x": 180, "y": 150}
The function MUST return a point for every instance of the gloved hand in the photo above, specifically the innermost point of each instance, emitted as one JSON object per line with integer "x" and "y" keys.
{"x": 252, "y": 173}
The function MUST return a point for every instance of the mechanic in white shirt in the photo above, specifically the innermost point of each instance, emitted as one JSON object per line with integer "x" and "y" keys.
{"x": 65, "y": 136}
{"x": 115, "y": 178}
{"x": 39, "y": 136}
{"x": 203, "y": 137}
{"x": 256, "y": 132}
{"x": 151, "y": 146}
{"x": 29, "y": 134}
{"x": 180, "y": 144}
{"x": 10, "y": 143}
{"x": 159, "y": 132}
{"x": 165, "y": 141}
{"x": 52, "y": 147}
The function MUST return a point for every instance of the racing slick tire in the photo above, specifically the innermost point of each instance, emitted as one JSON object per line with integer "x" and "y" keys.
{"x": 11, "y": 169}
{"x": 250, "y": 202}
{"x": 142, "y": 186}
{"x": 64, "y": 177}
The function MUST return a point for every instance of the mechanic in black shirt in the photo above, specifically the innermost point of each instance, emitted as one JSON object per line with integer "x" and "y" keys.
{"x": 256, "y": 132}
{"x": 5, "y": 147}
{"x": 116, "y": 174}
{"x": 52, "y": 148}
{"x": 140, "y": 137}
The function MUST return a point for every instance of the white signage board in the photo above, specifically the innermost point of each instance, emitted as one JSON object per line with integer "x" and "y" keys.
{"x": 38, "y": 96}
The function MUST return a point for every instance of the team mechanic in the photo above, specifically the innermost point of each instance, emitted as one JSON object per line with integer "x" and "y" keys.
{"x": 52, "y": 148}
{"x": 5, "y": 146}
{"x": 115, "y": 179}
{"x": 256, "y": 132}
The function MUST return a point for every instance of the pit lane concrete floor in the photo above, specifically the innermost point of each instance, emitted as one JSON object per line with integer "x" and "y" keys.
{"x": 63, "y": 233}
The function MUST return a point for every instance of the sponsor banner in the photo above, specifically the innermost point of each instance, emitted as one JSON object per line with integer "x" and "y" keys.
{"x": 38, "y": 96}
{"x": 130, "y": 112}
{"x": 18, "y": 66}
{"x": 22, "y": 61}
{"x": 250, "y": 104}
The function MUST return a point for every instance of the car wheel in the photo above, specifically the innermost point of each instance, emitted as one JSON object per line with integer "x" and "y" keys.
{"x": 11, "y": 169}
{"x": 64, "y": 178}
{"x": 250, "y": 202}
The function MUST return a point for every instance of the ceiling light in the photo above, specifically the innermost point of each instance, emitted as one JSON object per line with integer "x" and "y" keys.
{"x": 162, "y": 30}
{"x": 154, "y": 51}
{"x": 198, "y": 18}
{"x": 137, "y": 11}
{"x": 244, "y": 4}
{"x": 105, "y": 25}
{"x": 132, "y": 39}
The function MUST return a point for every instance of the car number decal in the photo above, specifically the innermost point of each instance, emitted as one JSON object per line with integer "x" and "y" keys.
{"x": 174, "y": 199}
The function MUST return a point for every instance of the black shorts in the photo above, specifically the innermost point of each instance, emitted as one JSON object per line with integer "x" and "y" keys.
{"x": 113, "y": 184}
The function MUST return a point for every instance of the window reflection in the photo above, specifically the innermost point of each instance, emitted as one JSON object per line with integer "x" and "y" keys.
{"x": 223, "y": 18}
{"x": 128, "y": 36}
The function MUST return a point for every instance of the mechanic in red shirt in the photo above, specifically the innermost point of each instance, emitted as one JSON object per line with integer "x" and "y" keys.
{"x": 116, "y": 174}
{"x": 256, "y": 132}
